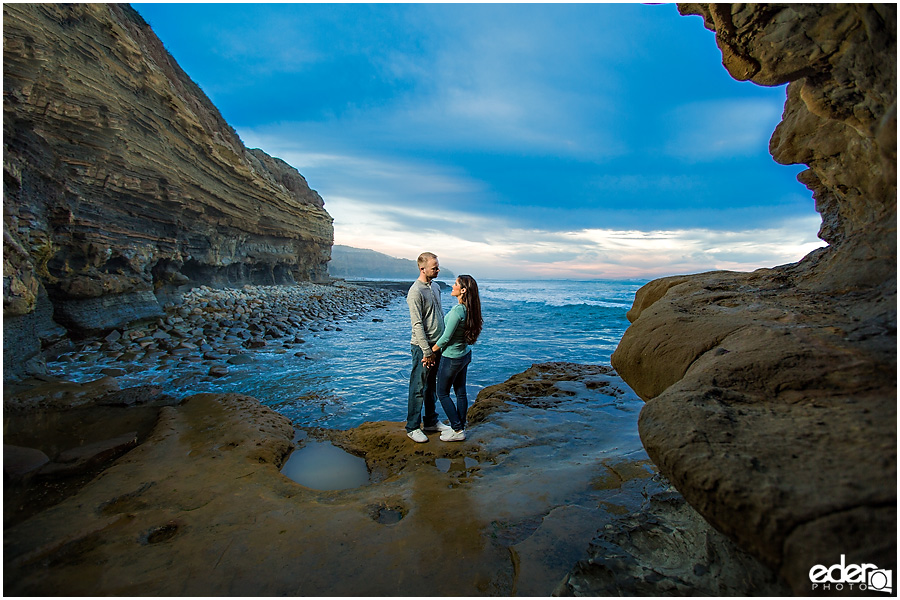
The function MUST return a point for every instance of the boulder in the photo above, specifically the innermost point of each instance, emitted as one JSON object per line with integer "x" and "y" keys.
{"x": 667, "y": 549}
{"x": 19, "y": 461}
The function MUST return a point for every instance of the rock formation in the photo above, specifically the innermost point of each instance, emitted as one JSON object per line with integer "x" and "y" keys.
{"x": 121, "y": 177}
{"x": 771, "y": 396}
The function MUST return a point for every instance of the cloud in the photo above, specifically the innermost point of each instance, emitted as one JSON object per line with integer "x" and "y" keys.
{"x": 515, "y": 140}
{"x": 714, "y": 130}
{"x": 470, "y": 77}
{"x": 494, "y": 249}
{"x": 403, "y": 206}
{"x": 384, "y": 181}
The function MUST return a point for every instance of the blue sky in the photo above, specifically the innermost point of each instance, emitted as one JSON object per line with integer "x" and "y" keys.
{"x": 513, "y": 140}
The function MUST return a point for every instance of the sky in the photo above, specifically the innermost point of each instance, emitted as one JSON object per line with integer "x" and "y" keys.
{"x": 515, "y": 141}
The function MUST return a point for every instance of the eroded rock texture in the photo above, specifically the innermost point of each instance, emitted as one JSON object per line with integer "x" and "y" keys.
{"x": 551, "y": 457}
{"x": 771, "y": 396}
{"x": 120, "y": 177}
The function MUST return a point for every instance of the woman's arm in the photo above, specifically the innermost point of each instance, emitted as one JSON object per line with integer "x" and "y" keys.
{"x": 453, "y": 320}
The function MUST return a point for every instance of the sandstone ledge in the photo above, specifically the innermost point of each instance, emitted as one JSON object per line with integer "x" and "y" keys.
{"x": 200, "y": 508}
{"x": 773, "y": 410}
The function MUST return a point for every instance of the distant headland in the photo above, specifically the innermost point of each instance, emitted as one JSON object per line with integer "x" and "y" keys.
{"x": 352, "y": 263}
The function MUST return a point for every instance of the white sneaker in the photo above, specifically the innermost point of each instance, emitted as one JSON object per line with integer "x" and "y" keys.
{"x": 416, "y": 435}
{"x": 437, "y": 428}
{"x": 454, "y": 436}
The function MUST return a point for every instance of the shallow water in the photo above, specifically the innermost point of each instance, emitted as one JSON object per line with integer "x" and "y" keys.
{"x": 464, "y": 464}
{"x": 322, "y": 466}
{"x": 345, "y": 378}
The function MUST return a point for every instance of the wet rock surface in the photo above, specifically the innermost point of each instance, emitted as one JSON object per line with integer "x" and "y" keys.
{"x": 79, "y": 429}
{"x": 667, "y": 549}
{"x": 513, "y": 508}
{"x": 19, "y": 461}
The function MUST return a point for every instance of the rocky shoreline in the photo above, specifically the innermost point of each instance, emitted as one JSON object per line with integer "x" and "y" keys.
{"x": 122, "y": 177}
{"x": 57, "y": 428}
{"x": 204, "y": 330}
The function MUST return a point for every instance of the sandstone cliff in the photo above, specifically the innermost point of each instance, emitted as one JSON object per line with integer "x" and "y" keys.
{"x": 771, "y": 396}
{"x": 121, "y": 177}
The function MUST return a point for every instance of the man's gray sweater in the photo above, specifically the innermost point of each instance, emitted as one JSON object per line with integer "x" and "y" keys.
{"x": 426, "y": 314}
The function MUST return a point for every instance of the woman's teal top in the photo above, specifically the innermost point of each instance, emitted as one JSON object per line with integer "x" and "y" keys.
{"x": 453, "y": 341}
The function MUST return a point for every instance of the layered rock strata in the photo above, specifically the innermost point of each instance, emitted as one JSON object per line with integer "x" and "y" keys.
{"x": 121, "y": 177}
{"x": 771, "y": 396}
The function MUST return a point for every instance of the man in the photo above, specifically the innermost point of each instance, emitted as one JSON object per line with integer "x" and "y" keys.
{"x": 427, "y": 317}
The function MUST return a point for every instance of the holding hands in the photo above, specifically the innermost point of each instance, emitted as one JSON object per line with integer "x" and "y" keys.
{"x": 429, "y": 361}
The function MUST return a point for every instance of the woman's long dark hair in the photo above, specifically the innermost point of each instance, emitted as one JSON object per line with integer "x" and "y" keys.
{"x": 472, "y": 302}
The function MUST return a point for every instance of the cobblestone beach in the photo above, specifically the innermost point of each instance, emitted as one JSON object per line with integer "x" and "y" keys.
{"x": 206, "y": 330}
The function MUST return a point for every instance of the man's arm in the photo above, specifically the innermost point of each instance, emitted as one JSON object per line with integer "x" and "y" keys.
{"x": 416, "y": 305}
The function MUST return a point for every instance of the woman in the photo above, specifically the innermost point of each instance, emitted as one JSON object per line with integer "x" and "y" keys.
{"x": 462, "y": 325}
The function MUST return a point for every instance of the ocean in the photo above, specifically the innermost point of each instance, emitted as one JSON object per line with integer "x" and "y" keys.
{"x": 360, "y": 373}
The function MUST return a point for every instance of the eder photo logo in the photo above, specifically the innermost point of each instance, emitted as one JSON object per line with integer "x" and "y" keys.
{"x": 851, "y": 577}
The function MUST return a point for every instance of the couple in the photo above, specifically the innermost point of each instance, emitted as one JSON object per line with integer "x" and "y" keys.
{"x": 440, "y": 352}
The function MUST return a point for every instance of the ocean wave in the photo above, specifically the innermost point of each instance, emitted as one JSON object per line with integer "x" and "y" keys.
{"x": 555, "y": 301}
{"x": 562, "y": 293}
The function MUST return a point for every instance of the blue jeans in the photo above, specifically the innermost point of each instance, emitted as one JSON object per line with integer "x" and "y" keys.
{"x": 421, "y": 392}
{"x": 452, "y": 373}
